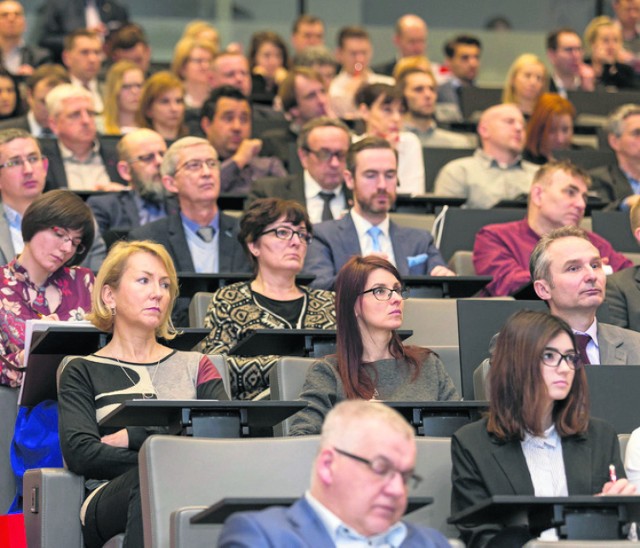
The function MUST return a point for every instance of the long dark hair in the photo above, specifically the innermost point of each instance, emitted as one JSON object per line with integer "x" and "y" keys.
{"x": 516, "y": 386}
{"x": 354, "y": 373}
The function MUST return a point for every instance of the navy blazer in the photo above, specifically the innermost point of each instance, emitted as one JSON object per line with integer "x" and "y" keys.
{"x": 298, "y": 527}
{"x": 335, "y": 242}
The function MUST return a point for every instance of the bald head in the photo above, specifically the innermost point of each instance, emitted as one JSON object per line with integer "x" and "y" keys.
{"x": 411, "y": 35}
{"x": 140, "y": 153}
{"x": 501, "y": 129}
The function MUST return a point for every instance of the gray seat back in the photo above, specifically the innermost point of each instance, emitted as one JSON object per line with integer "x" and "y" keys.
{"x": 217, "y": 468}
{"x": 198, "y": 308}
{"x": 221, "y": 365}
{"x": 434, "y": 322}
{"x": 8, "y": 413}
{"x": 286, "y": 380}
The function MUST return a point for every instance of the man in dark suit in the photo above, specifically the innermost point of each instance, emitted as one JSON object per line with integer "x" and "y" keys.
{"x": 619, "y": 182}
{"x": 145, "y": 200}
{"x": 359, "y": 487}
{"x": 371, "y": 175}
{"x": 569, "y": 71}
{"x": 410, "y": 38}
{"x": 323, "y": 146}
{"x": 568, "y": 273}
{"x": 78, "y": 158}
{"x": 18, "y": 57}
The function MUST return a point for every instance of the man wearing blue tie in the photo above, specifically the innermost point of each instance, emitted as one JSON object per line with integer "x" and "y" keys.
{"x": 372, "y": 176}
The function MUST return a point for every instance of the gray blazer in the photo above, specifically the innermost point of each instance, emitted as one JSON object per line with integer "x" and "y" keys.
{"x": 623, "y": 297}
{"x": 618, "y": 346}
{"x": 334, "y": 242}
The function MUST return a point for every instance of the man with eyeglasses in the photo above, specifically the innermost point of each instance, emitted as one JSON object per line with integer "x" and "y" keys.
{"x": 78, "y": 158}
{"x": 23, "y": 170}
{"x": 360, "y": 482}
{"x": 372, "y": 175}
{"x": 322, "y": 149}
{"x": 145, "y": 199}
{"x": 567, "y": 273}
{"x": 570, "y": 72}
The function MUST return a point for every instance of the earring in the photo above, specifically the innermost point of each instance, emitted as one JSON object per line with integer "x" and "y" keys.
{"x": 113, "y": 311}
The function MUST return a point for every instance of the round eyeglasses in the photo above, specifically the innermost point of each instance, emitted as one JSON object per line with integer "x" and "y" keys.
{"x": 384, "y": 293}
{"x": 553, "y": 358}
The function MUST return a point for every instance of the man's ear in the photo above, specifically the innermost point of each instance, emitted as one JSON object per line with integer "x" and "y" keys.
{"x": 324, "y": 466}
{"x": 205, "y": 123}
{"x": 348, "y": 179}
{"x": 124, "y": 170}
{"x": 535, "y": 194}
{"x": 541, "y": 287}
{"x": 169, "y": 183}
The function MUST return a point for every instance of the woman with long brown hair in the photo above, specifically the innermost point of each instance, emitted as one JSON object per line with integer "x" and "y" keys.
{"x": 538, "y": 438}
{"x": 370, "y": 363}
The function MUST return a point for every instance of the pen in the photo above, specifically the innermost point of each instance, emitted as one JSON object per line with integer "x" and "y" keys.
{"x": 612, "y": 473}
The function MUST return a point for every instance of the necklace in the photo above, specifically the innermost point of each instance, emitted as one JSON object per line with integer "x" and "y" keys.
{"x": 145, "y": 395}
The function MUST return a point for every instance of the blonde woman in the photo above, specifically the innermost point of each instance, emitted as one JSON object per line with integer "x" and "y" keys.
{"x": 123, "y": 90}
{"x": 527, "y": 79}
{"x": 192, "y": 62}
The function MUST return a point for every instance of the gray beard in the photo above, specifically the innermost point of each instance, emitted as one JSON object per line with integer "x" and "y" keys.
{"x": 152, "y": 192}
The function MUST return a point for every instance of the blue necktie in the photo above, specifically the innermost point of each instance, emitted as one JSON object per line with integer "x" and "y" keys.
{"x": 375, "y": 233}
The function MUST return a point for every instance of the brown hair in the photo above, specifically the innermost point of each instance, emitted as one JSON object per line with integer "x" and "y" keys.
{"x": 156, "y": 85}
{"x": 516, "y": 386}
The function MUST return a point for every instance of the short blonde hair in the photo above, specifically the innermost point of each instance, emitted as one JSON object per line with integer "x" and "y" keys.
{"x": 197, "y": 27}
{"x": 183, "y": 49}
{"x": 110, "y": 274}
{"x": 591, "y": 32}
{"x": 508, "y": 93}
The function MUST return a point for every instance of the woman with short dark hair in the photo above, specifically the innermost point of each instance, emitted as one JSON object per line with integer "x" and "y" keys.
{"x": 370, "y": 363}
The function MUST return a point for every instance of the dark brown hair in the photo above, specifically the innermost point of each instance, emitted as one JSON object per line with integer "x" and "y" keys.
{"x": 516, "y": 386}
{"x": 267, "y": 37}
{"x": 358, "y": 377}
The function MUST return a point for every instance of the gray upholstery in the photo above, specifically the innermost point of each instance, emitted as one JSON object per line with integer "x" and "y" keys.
{"x": 286, "y": 380}
{"x": 434, "y": 322}
{"x": 184, "y": 535}
{"x": 217, "y": 468}
{"x": 462, "y": 263}
{"x": 221, "y": 365}
{"x": 450, "y": 356}
{"x": 623, "y": 439}
{"x": 8, "y": 412}
{"x": 480, "y": 388}
{"x": 421, "y": 221}
{"x": 198, "y": 308}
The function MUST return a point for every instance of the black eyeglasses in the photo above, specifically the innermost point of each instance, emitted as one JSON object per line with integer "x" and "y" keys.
{"x": 286, "y": 233}
{"x": 553, "y": 358}
{"x": 148, "y": 158}
{"x": 384, "y": 293}
{"x": 327, "y": 155}
{"x": 64, "y": 237}
{"x": 383, "y": 467}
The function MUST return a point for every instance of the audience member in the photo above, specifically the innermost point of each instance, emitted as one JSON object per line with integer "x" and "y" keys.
{"x": 409, "y": 38}
{"x": 381, "y": 106}
{"x": 268, "y": 61}
{"x": 568, "y": 274}
{"x": 318, "y": 58}
{"x": 274, "y": 234}
{"x": 10, "y": 100}
{"x": 145, "y": 200}
{"x": 526, "y": 80}
{"x": 38, "y": 85}
{"x": 130, "y": 43}
{"x": 202, "y": 30}
{"x": 192, "y": 60}
{"x": 162, "y": 106}
{"x": 623, "y": 288}
{"x": 628, "y": 19}
{"x": 22, "y": 180}
{"x": 496, "y": 171}
{"x": 18, "y": 57}
{"x": 409, "y": 63}
{"x": 418, "y": 89}
{"x": 371, "y": 362}
{"x": 307, "y": 31}
{"x": 322, "y": 148}
{"x": 619, "y": 181}
{"x": 558, "y": 198}
{"x": 362, "y": 448}
{"x": 42, "y": 282}
{"x": 568, "y": 71}
{"x": 303, "y": 97}
{"x": 78, "y": 159}
{"x": 550, "y": 128}
{"x": 603, "y": 41}
{"x": 538, "y": 433}
{"x": 226, "y": 121}
{"x": 123, "y": 90}
{"x": 132, "y": 299}
{"x": 372, "y": 176}
{"x": 82, "y": 55}
{"x": 354, "y": 53}
{"x": 462, "y": 58}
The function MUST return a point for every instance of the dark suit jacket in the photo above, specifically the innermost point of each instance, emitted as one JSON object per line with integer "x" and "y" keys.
{"x": 18, "y": 122}
{"x": 277, "y": 142}
{"x": 34, "y": 56}
{"x": 484, "y": 466}
{"x": 56, "y": 175}
{"x": 385, "y": 68}
{"x": 611, "y": 184}
{"x": 623, "y": 297}
{"x": 300, "y": 527}
{"x": 335, "y": 242}
{"x": 448, "y": 93}
{"x": 286, "y": 188}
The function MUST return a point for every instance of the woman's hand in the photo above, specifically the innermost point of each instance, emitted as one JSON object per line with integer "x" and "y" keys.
{"x": 117, "y": 439}
{"x": 618, "y": 487}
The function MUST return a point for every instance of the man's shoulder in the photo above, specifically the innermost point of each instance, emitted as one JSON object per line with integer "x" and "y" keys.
{"x": 155, "y": 229}
{"x": 509, "y": 228}
{"x": 624, "y": 277}
{"x": 277, "y": 183}
{"x": 627, "y": 336}
{"x": 333, "y": 227}
{"x": 110, "y": 198}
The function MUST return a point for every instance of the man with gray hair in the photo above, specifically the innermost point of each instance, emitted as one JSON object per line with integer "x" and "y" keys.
{"x": 568, "y": 274}
{"x": 322, "y": 148}
{"x": 619, "y": 182}
{"x": 78, "y": 159}
{"x": 359, "y": 487}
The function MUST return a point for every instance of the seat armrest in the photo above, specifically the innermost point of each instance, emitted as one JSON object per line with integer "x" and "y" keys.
{"x": 185, "y": 534}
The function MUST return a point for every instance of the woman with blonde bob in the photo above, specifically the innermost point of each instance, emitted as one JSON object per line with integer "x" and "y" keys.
{"x": 123, "y": 89}
{"x": 132, "y": 299}
{"x": 192, "y": 62}
{"x": 526, "y": 80}
{"x": 162, "y": 106}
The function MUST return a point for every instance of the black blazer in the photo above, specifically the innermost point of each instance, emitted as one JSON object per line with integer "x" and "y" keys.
{"x": 611, "y": 184}
{"x": 484, "y": 466}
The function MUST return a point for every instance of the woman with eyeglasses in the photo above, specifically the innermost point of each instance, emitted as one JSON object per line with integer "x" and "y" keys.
{"x": 123, "y": 89}
{"x": 370, "y": 363}
{"x": 275, "y": 235}
{"x": 538, "y": 438}
{"x": 42, "y": 282}
{"x": 192, "y": 62}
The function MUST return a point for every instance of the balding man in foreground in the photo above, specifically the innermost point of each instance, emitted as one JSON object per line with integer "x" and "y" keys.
{"x": 359, "y": 487}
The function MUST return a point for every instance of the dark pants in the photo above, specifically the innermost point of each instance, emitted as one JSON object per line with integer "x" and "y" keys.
{"x": 115, "y": 509}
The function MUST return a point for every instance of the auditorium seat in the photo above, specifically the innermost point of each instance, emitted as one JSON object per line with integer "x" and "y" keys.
{"x": 8, "y": 412}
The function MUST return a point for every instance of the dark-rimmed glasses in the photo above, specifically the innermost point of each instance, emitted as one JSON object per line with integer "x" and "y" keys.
{"x": 64, "y": 237}
{"x": 286, "y": 233}
{"x": 552, "y": 358}
{"x": 384, "y": 293}
{"x": 327, "y": 155}
{"x": 383, "y": 467}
